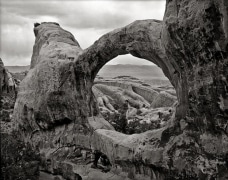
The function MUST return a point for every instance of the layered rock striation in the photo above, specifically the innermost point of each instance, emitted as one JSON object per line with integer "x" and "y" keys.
{"x": 57, "y": 111}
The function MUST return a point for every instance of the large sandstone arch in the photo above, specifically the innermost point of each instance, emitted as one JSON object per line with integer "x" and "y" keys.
{"x": 141, "y": 39}
{"x": 55, "y": 108}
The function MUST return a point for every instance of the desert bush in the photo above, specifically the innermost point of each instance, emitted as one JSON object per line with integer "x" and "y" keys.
{"x": 19, "y": 160}
{"x": 135, "y": 127}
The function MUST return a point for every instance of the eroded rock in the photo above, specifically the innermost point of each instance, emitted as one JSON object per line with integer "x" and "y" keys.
{"x": 8, "y": 92}
{"x": 55, "y": 102}
{"x": 18, "y": 159}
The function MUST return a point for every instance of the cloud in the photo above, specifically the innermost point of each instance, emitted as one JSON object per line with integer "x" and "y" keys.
{"x": 16, "y": 43}
{"x": 32, "y": 9}
{"x": 89, "y": 21}
{"x": 110, "y": 14}
{"x": 87, "y": 14}
{"x": 86, "y": 20}
{"x": 98, "y": 15}
{"x": 8, "y": 18}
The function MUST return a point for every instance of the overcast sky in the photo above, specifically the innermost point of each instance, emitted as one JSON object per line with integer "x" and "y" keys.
{"x": 86, "y": 20}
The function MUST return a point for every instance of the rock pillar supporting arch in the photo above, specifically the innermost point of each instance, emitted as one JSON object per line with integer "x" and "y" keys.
{"x": 195, "y": 37}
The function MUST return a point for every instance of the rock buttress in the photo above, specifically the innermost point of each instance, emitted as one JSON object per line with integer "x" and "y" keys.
{"x": 195, "y": 38}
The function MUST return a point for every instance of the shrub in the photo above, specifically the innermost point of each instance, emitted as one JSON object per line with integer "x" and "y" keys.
{"x": 18, "y": 159}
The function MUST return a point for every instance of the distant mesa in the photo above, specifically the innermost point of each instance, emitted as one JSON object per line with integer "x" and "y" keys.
{"x": 17, "y": 69}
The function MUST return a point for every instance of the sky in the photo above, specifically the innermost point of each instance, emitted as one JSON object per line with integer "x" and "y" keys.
{"x": 87, "y": 20}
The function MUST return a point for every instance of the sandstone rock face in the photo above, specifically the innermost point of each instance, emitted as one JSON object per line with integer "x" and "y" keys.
{"x": 195, "y": 39}
{"x": 44, "y": 99}
{"x": 7, "y": 99}
{"x": 7, "y": 82}
{"x": 18, "y": 160}
{"x": 57, "y": 110}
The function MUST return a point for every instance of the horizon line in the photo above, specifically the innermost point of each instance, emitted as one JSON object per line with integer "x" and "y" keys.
{"x": 104, "y": 65}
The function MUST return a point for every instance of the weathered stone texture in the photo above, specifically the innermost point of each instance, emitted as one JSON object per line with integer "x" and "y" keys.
{"x": 57, "y": 110}
{"x": 195, "y": 39}
{"x": 7, "y": 99}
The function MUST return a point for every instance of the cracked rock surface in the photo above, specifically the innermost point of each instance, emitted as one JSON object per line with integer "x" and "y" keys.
{"x": 57, "y": 111}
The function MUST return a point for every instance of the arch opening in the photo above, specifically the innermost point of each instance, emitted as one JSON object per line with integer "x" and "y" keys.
{"x": 134, "y": 97}
{"x": 135, "y": 39}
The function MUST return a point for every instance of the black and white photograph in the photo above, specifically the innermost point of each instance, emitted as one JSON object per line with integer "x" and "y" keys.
{"x": 114, "y": 89}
